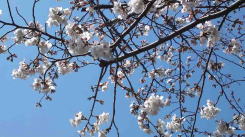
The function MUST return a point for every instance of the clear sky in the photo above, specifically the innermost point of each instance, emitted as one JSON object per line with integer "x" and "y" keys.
{"x": 20, "y": 118}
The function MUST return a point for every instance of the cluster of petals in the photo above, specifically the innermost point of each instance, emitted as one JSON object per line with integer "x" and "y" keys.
{"x": 27, "y": 36}
{"x": 44, "y": 46}
{"x": 2, "y": 49}
{"x": 208, "y": 33}
{"x": 188, "y": 5}
{"x": 23, "y": 71}
{"x": 117, "y": 9}
{"x": 65, "y": 67}
{"x": 240, "y": 120}
{"x": 142, "y": 117}
{"x": 175, "y": 124}
{"x": 58, "y": 16}
{"x": 44, "y": 86}
{"x": 223, "y": 128}
{"x": 104, "y": 117}
{"x": 160, "y": 72}
{"x": 153, "y": 104}
{"x": 209, "y": 111}
{"x": 234, "y": 47}
{"x": 101, "y": 50}
{"x": 136, "y": 6}
{"x": 77, "y": 119}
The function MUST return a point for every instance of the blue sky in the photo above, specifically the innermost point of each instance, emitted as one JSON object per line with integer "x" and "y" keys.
{"x": 20, "y": 117}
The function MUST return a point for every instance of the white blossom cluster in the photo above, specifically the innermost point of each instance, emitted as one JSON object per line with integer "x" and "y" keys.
{"x": 78, "y": 44}
{"x": 188, "y": 5}
{"x": 101, "y": 50}
{"x": 153, "y": 104}
{"x": 167, "y": 56}
{"x": 104, "y": 117}
{"x": 44, "y": 46}
{"x": 209, "y": 111}
{"x": 101, "y": 134}
{"x": 240, "y": 120}
{"x": 208, "y": 33}
{"x": 117, "y": 9}
{"x": 119, "y": 77}
{"x": 146, "y": 30}
{"x": 175, "y": 124}
{"x": 136, "y": 6}
{"x": 101, "y": 119}
{"x": 19, "y": 36}
{"x": 23, "y": 71}
{"x": 77, "y": 119}
{"x": 160, "y": 72}
{"x": 2, "y": 49}
{"x": 77, "y": 31}
{"x": 27, "y": 36}
{"x": 58, "y": 16}
{"x": 234, "y": 47}
{"x": 223, "y": 128}
{"x": 161, "y": 125}
{"x": 44, "y": 86}
{"x": 142, "y": 117}
{"x": 64, "y": 67}
{"x": 104, "y": 86}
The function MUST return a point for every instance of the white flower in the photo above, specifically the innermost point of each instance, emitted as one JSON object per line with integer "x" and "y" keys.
{"x": 71, "y": 29}
{"x": 44, "y": 86}
{"x": 136, "y": 6}
{"x": 64, "y": 67}
{"x": 145, "y": 127}
{"x": 58, "y": 16}
{"x": 211, "y": 31}
{"x": 22, "y": 72}
{"x": 81, "y": 132}
{"x": 175, "y": 124}
{"x": 147, "y": 28}
{"x": 86, "y": 35}
{"x": 180, "y": 20}
{"x": 160, "y": 126}
{"x": 77, "y": 120}
{"x": 117, "y": 9}
{"x": 153, "y": 104}
{"x": 104, "y": 86}
{"x": 104, "y": 117}
{"x": 42, "y": 68}
{"x": 209, "y": 111}
{"x": 77, "y": 47}
{"x": 101, "y": 50}
{"x": 44, "y": 46}
{"x": 19, "y": 36}
{"x": 101, "y": 134}
{"x": 234, "y": 47}
{"x": 31, "y": 41}
{"x": 160, "y": 72}
{"x": 1, "y": 12}
{"x": 90, "y": 9}
{"x": 2, "y": 49}
{"x": 223, "y": 128}
{"x": 188, "y": 5}
{"x": 240, "y": 120}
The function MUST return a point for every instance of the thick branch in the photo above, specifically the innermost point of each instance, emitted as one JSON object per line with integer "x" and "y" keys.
{"x": 234, "y": 6}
